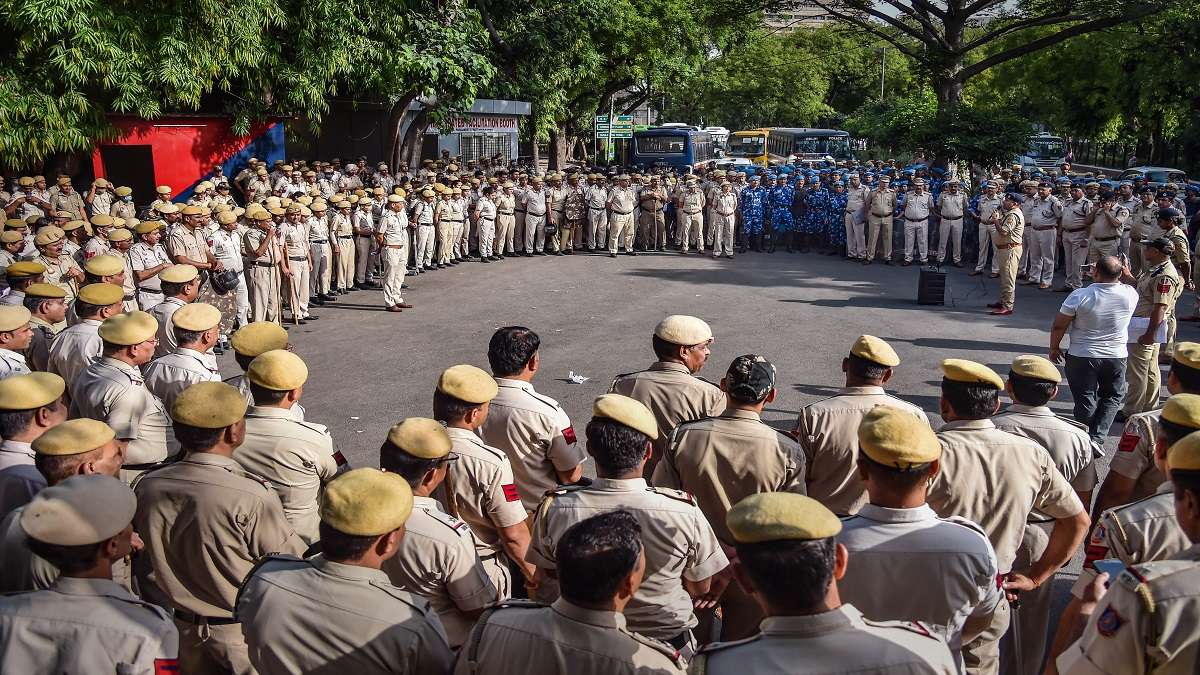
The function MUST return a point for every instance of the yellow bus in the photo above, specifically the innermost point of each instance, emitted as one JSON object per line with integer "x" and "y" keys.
{"x": 750, "y": 144}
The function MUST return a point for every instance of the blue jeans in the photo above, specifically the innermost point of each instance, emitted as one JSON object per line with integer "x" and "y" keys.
{"x": 1098, "y": 386}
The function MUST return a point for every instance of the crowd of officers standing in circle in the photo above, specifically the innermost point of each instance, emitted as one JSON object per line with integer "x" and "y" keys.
{"x": 154, "y": 518}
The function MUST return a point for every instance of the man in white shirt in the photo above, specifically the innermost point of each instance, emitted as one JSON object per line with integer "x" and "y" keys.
{"x": 1097, "y": 319}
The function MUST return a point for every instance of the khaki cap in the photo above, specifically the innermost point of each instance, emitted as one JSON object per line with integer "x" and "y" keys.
{"x": 896, "y": 438}
{"x": 25, "y": 181}
{"x": 1036, "y": 367}
{"x": 120, "y": 234}
{"x": 1183, "y": 409}
{"x": 875, "y": 350}
{"x": 192, "y": 210}
{"x": 163, "y": 189}
{"x": 168, "y": 208}
{"x": 11, "y": 237}
{"x": 467, "y": 383}
{"x": 427, "y": 193}
{"x": 14, "y": 223}
{"x": 30, "y": 391}
{"x": 1185, "y": 454}
{"x": 196, "y": 316}
{"x": 44, "y": 291}
{"x": 366, "y": 502}
{"x": 13, "y": 317}
{"x": 227, "y": 217}
{"x": 209, "y": 405}
{"x": 72, "y": 225}
{"x": 970, "y": 372}
{"x": 421, "y": 437}
{"x": 775, "y": 516}
{"x": 148, "y": 226}
{"x": 101, "y": 220}
{"x": 79, "y": 511}
{"x": 395, "y": 199}
{"x": 25, "y": 268}
{"x": 130, "y": 328}
{"x": 73, "y": 437}
{"x": 124, "y": 191}
{"x": 278, "y": 370}
{"x": 102, "y": 295}
{"x": 105, "y": 265}
{"x": 258, "y": 338}
{"x": 49, "y": 235}
{"x": 628, "y": 411}
{"x": 1187, "y": 354}
{"x": 179, "y": 274}
{"x": 680, "y": 329}
{"x": 400, "y": 193}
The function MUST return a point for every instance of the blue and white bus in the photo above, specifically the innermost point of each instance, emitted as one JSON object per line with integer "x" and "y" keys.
{"x": 675, "y": 147}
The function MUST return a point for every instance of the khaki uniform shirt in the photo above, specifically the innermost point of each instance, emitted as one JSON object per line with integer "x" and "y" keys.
{"x": 597, "y": 197}
{"x": 163, "y": 313}
{"x": 1146, "y": 623}
{"x": 1159, "y": 285}
{"x": 205, "y": 522}
{"x": 316, "y": 615}
{"x": 114, "y": 392}
{"x": 483, "y": 490}
{"x": 952, "y": 206}
{"x": 1110, "y": 223}
{"x": 989, "y": 206}
{"x": 622, "y": 200}
{"x": 1075, "y": 214}
{"x": 19, "y": 478}
{"x": 838, "y": 641}
{"x": 394, "y": 228}
{"x": 168, "y": 376}
{"x": 142, "y": 257}
{"x": 918, "y": 206}
{"x": 881, "y": 203}
{"x": 722, "y": 460}
{"x": 437, "y": 561}
{"x": 692, "y": 201}
{"x": 828, "y": 433}
{"x": 536, "y": 434}
{"x": 85, "y": 626}
{"x": 296, "y": 457}
{"x": 950, "y": 560}
{"x": 1044, "y": 212}
{"x": 107, "y": 202}
{"x": 190, "y": 243}
{"x": 252, "y": 240}
{"x": 536, "y": 640}
{"x": 672, "y": 394}
{"x": 24, "y": 570}
{"x": 1066, "y": 440}
{"x": 534, "y": 202}
{"x": 505, "y": 205}
{"x": 38, "y": 353}
{"x": 1143, "y": 218}
{"x": 12, "y": 363}
{"x": 71, "y": 202}
{"x": 1143, "y": 531}
{"x": 678, "y": 541}
{"x": 856, "y": 198}
{"x": 93, "y": 247}
{"x": 996, "y": 479}
{"x": 74, "y": 349}
{"x": 1010, "y": 229}
{"x": 58, "y": 273}
{"x": 1134, "y": 458}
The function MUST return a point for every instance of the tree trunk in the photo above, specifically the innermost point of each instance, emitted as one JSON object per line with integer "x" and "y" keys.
{"x": 395, "y": 132}
{"x": 410, "y": 147}
{"x": 558, "y": 141}
{"x": 949, "y": 92}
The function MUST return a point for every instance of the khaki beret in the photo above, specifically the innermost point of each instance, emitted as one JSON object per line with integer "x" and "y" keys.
{"x": 124, "y": 191}
{"x": 73, "y": 437}
{"x": 875, "y": 350}
{"x": 259, "y": 337}
{"x": 421, "y": 437}
{"x": 680, "y": 329}
{"x": 970, "y": 372}
{"x": 1185, "y": 454}
{"x": 226, "y": 218}
{"x": 25, "y": 181}
{"x": 278, "y": 370}
{"x": 13, "y": 317}
{"x": 628, "y": 411}
{"x": 395, "y": 199}
{"x": 101, "y": 295}
{"x": 49, "y": 235}
{"x": 11, "y": 237}
{"x": 192, "y": 210}
{"x": 120, "y": 234}
{"x": 366, "y": 502}
{"x": 427, "y": 193}
{"x": 277, "y": 211}
{"x": 79, "y": 511}
{"x": 73, "y": 225}
{"x": 44, "y": 291}
{"x": 897, "y": 438}
{"x": 168, "y": 208}
{"x": 318, "y": 206}
{"x": 467, "y": 383}
{"x": 179, "y": 274}
{"x": 163, "y": 189}
{"x": 25, "y": 268}
{"x": 148, "y": 226}
{"x": 30, "y": 391}
{"x": 130, "y": 328}
{"x": 15, "y": 223}
{"x": 775, "y": 516}
{"x": 1187, "y": 354}
{"x": 209, "y": 405}
{"x": 1036, "y": 367}
{"x": 196, "y": 316}
{"x": 400, "y": 193}
{"x": 105, "y": 265}
{"x": 101, "y": 220}
{"x": 1183, "y": 409}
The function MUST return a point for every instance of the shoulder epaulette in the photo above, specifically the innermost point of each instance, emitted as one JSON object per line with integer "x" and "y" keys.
{"x": 1072, "y": 422}
{"x": 659, "y": 646}
{"x": 516, "y": 603}
{"x": 458, "y": 526}
{"x": 911, "y": 626}
{"x": 624, "y": 375}
{"x": 678, "y": 495}
{"x": 718, "y": 646}
{"x": 967, "y": 523}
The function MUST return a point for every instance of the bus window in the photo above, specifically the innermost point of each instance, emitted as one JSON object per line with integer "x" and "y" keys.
{"x": 662, "y": 145}
{"x": 747, "y": 146}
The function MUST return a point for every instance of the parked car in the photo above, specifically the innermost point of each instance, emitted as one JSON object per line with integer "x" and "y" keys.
{"x": 1155, "y": 176}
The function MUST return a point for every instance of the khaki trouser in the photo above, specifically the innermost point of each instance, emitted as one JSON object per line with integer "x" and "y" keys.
{"x": 535, "y": 232}
{"x": 1097, "y": 249}
{"x": 1135, "y": 257}
{"x": 1009, "y": 259}
{"x": 345, "y": 262}
{"x": 504, "y": 233}
{"x": 264, "y": 292}
{"x": 362, "y": 257}
{"x": 205, "y": 650}
{"x": 1043, "y": 249}
{"x": 693, "y": 228}
{"x": 653, "y": 225}
{"x": 445, "y": 242}
{"x": 879, "y": 227}
{"x": 985, "y": 243}
{"x": 424, "y": 243}
{"x": 558, "y": 240}
{"x": 856, "y": 236}
{"x": 519, "y": 230}
{"x": 1168, "y": 348}
{"x": 487, "y": 234}
{"x": 981, "y": 656}
{"x": 1033, "y": 616}
{"x": 710, "y": 222}
{"x": 597, "y": 228}
{"x": 620, "y": 229}
{"x": 321, "y": 268}
{"x": 916, "y": 232}
{"x": 497, "y": 571}
{"x": 950, "y": 236}
{"x": 568, "y": 233}
{"x": 395, "y": 259}
{"x": 722, "y": 234}
{"x": 1142, "y": 377}
{"x": 1023, "y": 265}
{"x": 297, "y": 286}
{"x": 1075, "y": 255}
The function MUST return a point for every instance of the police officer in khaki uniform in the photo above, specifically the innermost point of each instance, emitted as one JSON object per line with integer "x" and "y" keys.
{"x": 651, "y": 201}
{"x": 437, "y": 558}
{"x": 77, "y": 346}
{"x": 29, "y": 405}
{"x": 951, "y": 207}
{"x": 897, "y": 541}
{"x": 1159, "y": 287}
{"x": 82, "y": 526}
{"x": 532, "y": 429}
{"x": 16, "y": 335}
{"x": 180, "y": 286}
{"x": 1167, "y": 228}
{"x": 61, "y": 269}
{"x": 996, "y": 479}
{"x": 47, "y": 308}
{"x": 1146, "y": 622}
{"x": 294, "y": 455}
{"x": 392, "y": 236}
{"x": 683, "y": 555}
{"x": 878, "y": 210}
{"x": 601, "y": 565}
{"x": 828, "y": 429}
{"x": 480, "y": 487}
{"x": 621, "y": 202}
{"x": 1008, "y": 229}
{"x": 205, "y": 522}
{"x": 1075, "y": 215}
{"x": 670, "y": 387}
{"x": 197, "y": 328}
{"x": 260, "y": 245}
{"x": 791, "y": 562}
{"x": 1108, "y": 223}
{"x": 338, "y": 610}
{"x": 19, "y": 275}
{"x": 721, "y": 460}
{"x": 689, "y": 208}
{"x": 250, "y": 341}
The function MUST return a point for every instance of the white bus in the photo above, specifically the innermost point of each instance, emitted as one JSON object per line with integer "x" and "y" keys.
{"x": 1046, "y": 151}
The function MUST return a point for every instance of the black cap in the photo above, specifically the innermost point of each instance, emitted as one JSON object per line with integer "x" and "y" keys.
{"x": 750, "y": 378}
{"x": 1168, "y": 212}
{"x": 1161, "y": 243}
{"x": 1107, "y": 195}
{"x": 1012, "y": 196}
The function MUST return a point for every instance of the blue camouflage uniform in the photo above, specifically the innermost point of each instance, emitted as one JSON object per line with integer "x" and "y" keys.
{"x": 834, "y": 221}
{"x": 779, "y": 202}
{"x": 814, "y": 218}
{"x": 752, "y": 202}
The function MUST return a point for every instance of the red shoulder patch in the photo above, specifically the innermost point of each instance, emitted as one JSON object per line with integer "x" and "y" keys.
{"x": 1128, "y": 442}
{"x": 1164, "y": 287}
{"x": 510, "y": 493}
{"x": 166, "y": 666}
{"x": 569, "y": 434}
{"x": 340, "y": 459}
{"x": 1092, "y": 553}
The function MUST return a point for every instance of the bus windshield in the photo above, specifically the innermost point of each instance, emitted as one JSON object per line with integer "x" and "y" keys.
{"x": 747, "y": 146}
{"x": 1048, "y": 148}
{"x": 835, "y": 146}
{"x": 662, "y": 145}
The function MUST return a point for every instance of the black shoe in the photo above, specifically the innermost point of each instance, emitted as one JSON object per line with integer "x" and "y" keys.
{"x": 542, "y": 253}
{"x": 486, "y": 260}
{"x": 316, "y": 300}
{"x": 329, "y": 297}
{"x": 302, "y": 321}
{"x": 612, "y": 255}
{"x": 311, "y": 317}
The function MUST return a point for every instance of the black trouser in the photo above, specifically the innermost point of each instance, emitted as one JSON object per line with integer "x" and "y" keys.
{"x": 1098, "y": 386}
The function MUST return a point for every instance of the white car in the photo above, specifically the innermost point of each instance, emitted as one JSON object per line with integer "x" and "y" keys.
{"x": 1156, "y": 176}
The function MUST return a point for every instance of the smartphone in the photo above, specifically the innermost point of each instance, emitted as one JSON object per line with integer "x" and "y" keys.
{"x": 1085, "y": 269}
{"x": 1110, "y": 566}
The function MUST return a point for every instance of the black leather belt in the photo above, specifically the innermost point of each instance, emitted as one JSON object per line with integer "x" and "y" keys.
{"x": 157, "y": 291}
{"x": 625, "y": 213}
{"x": 1108, "y": 238}
{"x": 197, "y": 620}
{"x": 505, "y": 213}
{"x": 915, "y": 220}
{"x": 345, "y": 236}
{"x": 263, "y": 264}
{"x": 1078, "y": 229}
{"x": 298, "y": 258}
{"x": 318, "y": 241}
{"x": 452, "y": 220}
